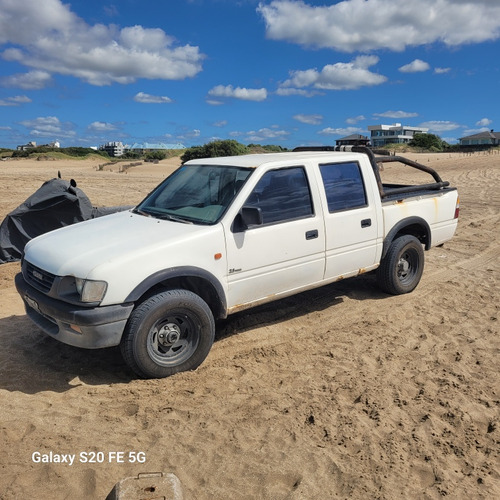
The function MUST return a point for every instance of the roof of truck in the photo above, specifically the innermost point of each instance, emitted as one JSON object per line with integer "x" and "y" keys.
{"x": 255, "y": 160}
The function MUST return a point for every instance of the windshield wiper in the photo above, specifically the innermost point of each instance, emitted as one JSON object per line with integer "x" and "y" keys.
{"x": 163, "y": 216}
{"x": 173, "y": 218}
{"x": 142, "y": 212}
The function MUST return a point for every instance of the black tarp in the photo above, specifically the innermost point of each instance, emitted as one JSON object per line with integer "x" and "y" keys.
{"x": 55, "y": 204}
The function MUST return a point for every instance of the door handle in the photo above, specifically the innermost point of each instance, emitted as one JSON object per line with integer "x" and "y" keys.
{"x": 366, "y": 223}
{"x": 310, "y": 235}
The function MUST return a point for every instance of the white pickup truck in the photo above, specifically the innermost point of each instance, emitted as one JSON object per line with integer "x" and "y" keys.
{"x": 221, "y": 235}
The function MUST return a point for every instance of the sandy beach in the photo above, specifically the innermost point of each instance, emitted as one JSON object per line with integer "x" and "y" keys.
{"x": 342, "y": 392}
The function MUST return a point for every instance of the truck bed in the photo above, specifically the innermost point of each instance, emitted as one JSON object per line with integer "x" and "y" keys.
{"x": 395, "y": 192}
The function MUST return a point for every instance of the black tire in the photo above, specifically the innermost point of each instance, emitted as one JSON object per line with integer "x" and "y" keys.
{"x": 168, "y": 333}
{"x": 402, "y": 267}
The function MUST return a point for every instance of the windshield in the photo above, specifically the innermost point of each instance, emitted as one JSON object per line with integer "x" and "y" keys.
{"x": 197, "y": 194}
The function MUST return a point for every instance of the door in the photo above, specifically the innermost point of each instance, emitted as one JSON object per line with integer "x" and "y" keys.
{"x": 287, "y": 250}
{"x": 351, "y": 224}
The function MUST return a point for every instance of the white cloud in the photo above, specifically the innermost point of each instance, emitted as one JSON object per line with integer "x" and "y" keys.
{"x": 151, "y": 99}
{"x": 110, "y": 10}
{"x": 415, "y": 66}
{"x": 15, "y": 101}
{"x": 220, "y": 123}
{"x": 309, "y": 119}
{"x": 441, "y": 71}
{"x": 473, "y": 131}
{"x": 395, "y": 114}
{"x": 53, "y": 38}
{"x": 101, "y": 127}
{"x": 340, "y": 131}
{"x": 339, "y": 76}
{"x": 359, "y": 25}
{"x": 238, "y": 93}
{"x": 186, "y": 135}
{"x": 265, "y": 134}
{"x": 484, "y": 122}
{"x": 301, "y": 92}
{"x": 33, "y": 80}
{"x": 355, "y": 119}
{"x": 49, "y": 126}
{"x": 214, "y": 102}
{"x": 440, "y": 126}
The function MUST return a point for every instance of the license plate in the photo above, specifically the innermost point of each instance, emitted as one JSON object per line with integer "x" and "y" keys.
{"x": 32, "y": 303}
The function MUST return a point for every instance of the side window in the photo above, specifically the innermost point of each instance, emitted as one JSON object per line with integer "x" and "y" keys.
{"x": 343, "y": 186}
{"x": 282, "y": 195}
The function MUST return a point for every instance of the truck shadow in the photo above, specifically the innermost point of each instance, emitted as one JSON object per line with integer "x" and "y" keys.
{"x": 302, "y": 304}
{"x": 32, "y": 362}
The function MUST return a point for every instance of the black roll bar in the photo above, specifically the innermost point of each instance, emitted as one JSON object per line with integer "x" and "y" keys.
{"x": 386, "y": 158}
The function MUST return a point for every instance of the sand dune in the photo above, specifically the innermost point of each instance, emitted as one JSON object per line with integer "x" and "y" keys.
{"x": 341, "y": 392}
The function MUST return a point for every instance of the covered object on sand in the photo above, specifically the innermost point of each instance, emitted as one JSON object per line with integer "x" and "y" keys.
{"x": 55, "y": 204}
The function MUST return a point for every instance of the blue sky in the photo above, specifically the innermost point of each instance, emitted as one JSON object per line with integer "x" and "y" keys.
{"x": 285, "y": 72}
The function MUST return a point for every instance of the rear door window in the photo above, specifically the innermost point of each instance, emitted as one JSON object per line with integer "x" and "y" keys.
{"x": 344, "y": 186}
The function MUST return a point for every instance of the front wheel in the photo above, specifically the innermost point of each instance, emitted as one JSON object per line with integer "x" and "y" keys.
{"x": 168, "y": 333}
{"x": 402, "y": 267}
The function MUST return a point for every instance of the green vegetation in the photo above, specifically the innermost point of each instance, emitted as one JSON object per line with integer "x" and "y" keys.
{"x": 131, "y": 155}
{"x": 214, "y": 149}
{"x": 155, "y": 155}
{"x": 56, "y": 152}
{"x": 226, "y": 148}
{"x": 269, "y": 148}
{"x": 46, "y": 153}
{"x": 64, "y": 156}
{"x": 5, "y": 153}
{"x": 428, "y": 142}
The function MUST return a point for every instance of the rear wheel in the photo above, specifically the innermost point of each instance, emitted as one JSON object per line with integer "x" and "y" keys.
{"x": 402, "y": 267}
{"x": 170, "y": 332}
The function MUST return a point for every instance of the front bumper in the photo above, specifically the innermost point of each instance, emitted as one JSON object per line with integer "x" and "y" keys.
{"x": 96, "y": 327}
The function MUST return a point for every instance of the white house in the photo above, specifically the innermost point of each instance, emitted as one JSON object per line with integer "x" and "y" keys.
{"x": 382, "y": 135}
{"x": 486, "y": 138}
{"x": 115, "y": 148}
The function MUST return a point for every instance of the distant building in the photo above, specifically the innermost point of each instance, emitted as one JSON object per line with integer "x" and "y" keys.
{"x": 113, "y": 148}
{"x": 25, "y": 147}
{"x": 484, "y": 139}
{"x": 381, "y": 135}
{"x": 148, "y": 146}
{"x": 353, "y": 140}
{"x": 32, "y": 145}
{"x": 117, "y": 148}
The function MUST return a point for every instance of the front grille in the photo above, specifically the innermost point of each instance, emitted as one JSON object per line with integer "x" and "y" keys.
{"x": 38, "y": 278}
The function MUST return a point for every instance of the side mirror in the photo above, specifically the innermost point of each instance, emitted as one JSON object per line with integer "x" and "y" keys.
{"x": 248, "y": 216}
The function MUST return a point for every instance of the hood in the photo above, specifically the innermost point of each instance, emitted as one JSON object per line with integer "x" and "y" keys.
{"x": 112, "y": 240}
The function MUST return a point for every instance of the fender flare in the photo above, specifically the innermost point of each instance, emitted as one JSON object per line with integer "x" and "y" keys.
{"x": 406, "y": 223}
{"x": 182, "y": 272}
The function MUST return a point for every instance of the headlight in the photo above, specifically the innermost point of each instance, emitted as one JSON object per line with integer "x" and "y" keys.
{"x": 91, "y": 291}
{"x": 79, "y": 282}
{"x": 77, "y": 290}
